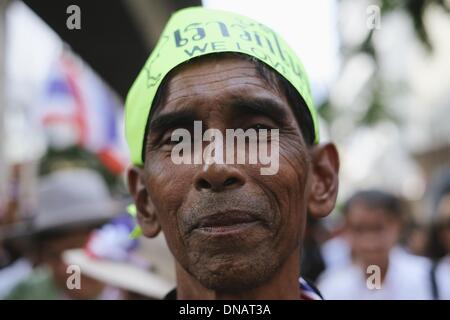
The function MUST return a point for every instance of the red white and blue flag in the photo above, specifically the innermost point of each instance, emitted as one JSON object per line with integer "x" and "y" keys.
{"x": 85, "y": 111}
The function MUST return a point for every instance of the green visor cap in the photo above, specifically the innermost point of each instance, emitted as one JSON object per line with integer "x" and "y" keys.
{"x": 198, "y": 31}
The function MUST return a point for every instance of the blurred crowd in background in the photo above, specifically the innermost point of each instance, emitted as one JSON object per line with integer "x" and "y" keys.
{"x": 380, "y": 77}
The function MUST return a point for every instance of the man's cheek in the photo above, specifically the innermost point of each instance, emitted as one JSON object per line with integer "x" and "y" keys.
{"x": 296, "y": 151}
{"x": 292, "y": 179}
{"x": 292, "y": 172}
{"x": 168, "y": 183}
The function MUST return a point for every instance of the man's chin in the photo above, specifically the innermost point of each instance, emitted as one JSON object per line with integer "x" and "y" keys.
{"x": 234, "y": 273}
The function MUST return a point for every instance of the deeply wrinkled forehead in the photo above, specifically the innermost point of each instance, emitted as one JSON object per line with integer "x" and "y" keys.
{"x": 195, "y": 32}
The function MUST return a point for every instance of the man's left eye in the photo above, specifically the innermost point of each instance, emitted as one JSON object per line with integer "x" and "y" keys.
{"x": 259, "y": 126}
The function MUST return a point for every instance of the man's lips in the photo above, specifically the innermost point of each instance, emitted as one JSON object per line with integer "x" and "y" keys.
{"x": 226, "y": 222}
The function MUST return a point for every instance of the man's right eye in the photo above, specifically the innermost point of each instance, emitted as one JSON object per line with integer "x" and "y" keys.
{"x": 260, "y": 126}
{"x": 170, "y": 141}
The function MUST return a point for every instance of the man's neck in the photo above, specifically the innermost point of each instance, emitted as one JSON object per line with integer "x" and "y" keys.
{"x": 283, "y": 285}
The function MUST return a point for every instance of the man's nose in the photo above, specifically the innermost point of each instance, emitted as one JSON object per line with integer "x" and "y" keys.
{"x": 218, "y": 177}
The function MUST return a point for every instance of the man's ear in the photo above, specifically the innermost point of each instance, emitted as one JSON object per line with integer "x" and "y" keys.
{"x": 325, "y": 181}
{"x": 146, "y": 213}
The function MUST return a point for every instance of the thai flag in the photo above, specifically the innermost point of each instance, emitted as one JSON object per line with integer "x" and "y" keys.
{"x": 85, "y": 111}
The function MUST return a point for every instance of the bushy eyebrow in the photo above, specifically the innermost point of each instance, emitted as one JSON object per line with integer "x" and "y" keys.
{"x": 260, "y": 105}
{"x": 271, "y": 108}
{"x": 166, "y": 121}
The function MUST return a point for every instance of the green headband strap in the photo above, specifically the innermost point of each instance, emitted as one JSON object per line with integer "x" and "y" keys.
{"x": 197, "y": 31}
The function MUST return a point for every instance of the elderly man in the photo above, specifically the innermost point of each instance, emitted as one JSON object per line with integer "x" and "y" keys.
{"x": 235, "y": 231}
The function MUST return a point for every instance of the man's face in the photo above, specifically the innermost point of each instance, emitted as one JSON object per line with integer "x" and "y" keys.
{"x": 227, "y": 225}
{"x": 372, "y": 234}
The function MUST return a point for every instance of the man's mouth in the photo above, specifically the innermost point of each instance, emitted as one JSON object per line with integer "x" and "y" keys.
{"x": 226, "y": 223}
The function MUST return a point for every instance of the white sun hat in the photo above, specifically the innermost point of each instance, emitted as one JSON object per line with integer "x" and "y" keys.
{"x": 112, "y": 257}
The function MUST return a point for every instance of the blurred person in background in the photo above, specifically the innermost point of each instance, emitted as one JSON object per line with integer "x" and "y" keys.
{"x": 16, "y": 264}
{"x": 336, "y": 251}
{"x": 72, "y": 203}
{"x": 13, "y": 266}
{"x": 373, "y": 225}
{"x": 439, "y": 249}
{"x": 442, "y": 267}
{"x": 416, "y": 238}
{"x": 115, "y": 258}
